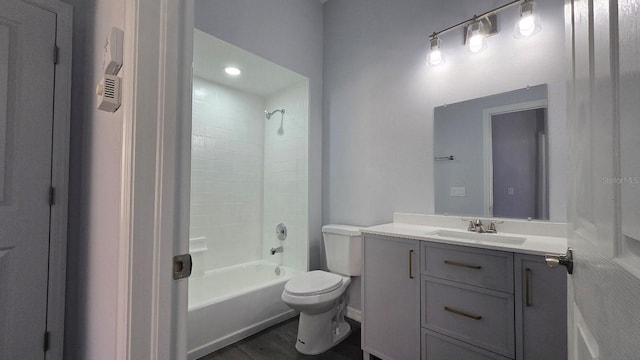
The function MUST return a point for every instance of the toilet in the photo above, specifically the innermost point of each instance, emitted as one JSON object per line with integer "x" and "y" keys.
{"x": 320, "y": 296}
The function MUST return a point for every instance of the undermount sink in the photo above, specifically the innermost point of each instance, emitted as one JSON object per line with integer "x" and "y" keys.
{"x": 479, "y": 237}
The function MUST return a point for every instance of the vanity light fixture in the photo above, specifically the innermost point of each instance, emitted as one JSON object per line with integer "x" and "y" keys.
{"x": 435, "y": 56}
{"x": 528, "y": 23}
{"x": 479, "y": 27}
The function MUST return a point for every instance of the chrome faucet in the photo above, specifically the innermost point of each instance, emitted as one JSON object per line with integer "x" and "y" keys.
{"x": 492, "y": 227}
{"x": 277, "y": 250}
{"x": 477, "y": 226}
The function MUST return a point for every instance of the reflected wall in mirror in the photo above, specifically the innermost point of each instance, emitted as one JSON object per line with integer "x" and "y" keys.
{"x": 491, "y": 156}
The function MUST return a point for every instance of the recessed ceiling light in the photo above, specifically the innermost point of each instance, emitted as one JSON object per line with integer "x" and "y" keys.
{"x": 232, "y": 71}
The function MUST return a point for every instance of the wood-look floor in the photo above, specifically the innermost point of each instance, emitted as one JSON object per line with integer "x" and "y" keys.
{"x": 278, "y": 343}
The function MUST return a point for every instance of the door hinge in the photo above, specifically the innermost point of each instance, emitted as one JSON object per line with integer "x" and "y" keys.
{"x": 52, "y": 196}
{"x": 47, "y": 335}
{"x": 56, "y": 54}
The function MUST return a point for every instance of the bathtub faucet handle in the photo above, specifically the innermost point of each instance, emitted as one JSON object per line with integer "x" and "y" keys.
{"x": 274, "y": 251}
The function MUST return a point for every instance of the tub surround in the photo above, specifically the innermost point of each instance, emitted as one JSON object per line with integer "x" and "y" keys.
{"x": 541, "y": 237}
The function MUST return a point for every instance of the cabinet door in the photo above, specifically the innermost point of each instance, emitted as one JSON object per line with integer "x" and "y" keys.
{"x": 391, "y": 298}
{"x": 541, "y": 309}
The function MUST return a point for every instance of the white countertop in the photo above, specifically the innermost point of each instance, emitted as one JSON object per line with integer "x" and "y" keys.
{"x": 534, "y": 244}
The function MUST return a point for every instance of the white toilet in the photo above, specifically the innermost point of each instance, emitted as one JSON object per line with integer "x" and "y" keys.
{"x": 320, "y": 296}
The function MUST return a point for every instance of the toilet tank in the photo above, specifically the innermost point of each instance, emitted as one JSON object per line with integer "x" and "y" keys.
{"x": 343, "y": 249}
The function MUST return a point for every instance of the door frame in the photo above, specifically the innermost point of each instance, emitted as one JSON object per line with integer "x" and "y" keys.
{"x": 59, "y": 174}
{"x": 154, "y": 213}
{"x": 487, "y": 143}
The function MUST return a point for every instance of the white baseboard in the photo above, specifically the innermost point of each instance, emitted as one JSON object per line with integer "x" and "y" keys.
{"x": 354, "y": 314}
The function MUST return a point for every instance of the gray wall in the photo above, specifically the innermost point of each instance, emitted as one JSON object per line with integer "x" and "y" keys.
{"x": 94, "y": 189}
{"x": 288, "y": 33}
{"x": 458, "y": 130}
{"x": 379, "y": 96}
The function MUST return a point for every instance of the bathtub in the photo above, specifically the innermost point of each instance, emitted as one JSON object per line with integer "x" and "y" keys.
{"x": 229, "y": 304}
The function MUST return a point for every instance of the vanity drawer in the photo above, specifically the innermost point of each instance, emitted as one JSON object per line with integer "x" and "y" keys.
{"x": 481, "y": 317}
{"x": 479, "y": 267}
{"x": 438, "y": 347}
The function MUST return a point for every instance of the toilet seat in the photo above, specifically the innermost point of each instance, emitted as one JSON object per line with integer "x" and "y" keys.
{"x": 313, "y": 283}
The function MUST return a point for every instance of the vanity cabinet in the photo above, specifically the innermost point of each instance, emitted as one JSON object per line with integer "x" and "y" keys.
{"x": 464, "y": 303}
{"x": 391, "y": 298}
{"x": 541, "y": 309}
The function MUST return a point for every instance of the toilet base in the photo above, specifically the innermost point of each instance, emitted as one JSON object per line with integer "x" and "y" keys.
{"x": 318, "y": 333}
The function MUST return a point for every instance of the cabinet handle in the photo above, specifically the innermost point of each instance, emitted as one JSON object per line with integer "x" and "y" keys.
{"x": 462, "y": 313}
{"x": 410, "y": 264}
{"x": 527, "y": 286}
{"x": 455, "y": 263}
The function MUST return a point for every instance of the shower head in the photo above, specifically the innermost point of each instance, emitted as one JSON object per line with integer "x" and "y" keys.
{"x": 267, "y": 114}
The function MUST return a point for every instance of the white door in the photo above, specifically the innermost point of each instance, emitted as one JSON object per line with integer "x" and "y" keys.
{"x": 27, "y": 40}
{"x": 604, "y": 201}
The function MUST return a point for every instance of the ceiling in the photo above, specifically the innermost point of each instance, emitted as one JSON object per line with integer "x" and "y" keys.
{"x": 259, "y": 76}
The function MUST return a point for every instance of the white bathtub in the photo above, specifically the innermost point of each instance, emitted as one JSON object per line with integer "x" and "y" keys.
{"x": 229, "y": 304}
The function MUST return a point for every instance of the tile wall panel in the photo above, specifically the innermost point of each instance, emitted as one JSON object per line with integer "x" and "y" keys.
{"x": 226, "y": 174}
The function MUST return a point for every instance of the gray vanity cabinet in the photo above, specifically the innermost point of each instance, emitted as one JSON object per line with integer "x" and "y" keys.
{"x": 431, "y": 301}
{"x": 391, "y": 298}
{"x": 541, "y": 309}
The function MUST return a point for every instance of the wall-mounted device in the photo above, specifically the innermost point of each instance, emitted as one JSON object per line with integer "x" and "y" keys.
{"x": 108, "y": 90}
{"x": 113, "y": 52}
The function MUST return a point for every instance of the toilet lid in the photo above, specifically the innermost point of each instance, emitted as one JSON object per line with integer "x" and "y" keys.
{"x": 313, "y": 283}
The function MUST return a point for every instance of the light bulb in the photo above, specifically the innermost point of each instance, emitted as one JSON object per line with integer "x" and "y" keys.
{"x": 527, "y": 24}
{"x": 435, "y": 56}
{"x": 475, "y": 36}
{"x": 476, "y": 42}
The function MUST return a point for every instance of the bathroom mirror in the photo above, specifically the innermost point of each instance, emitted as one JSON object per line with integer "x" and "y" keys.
{"x": 491, "y": 156}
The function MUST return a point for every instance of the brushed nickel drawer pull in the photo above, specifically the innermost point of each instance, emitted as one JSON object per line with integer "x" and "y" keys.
{"x": 410, "y": 264}
{"x": 455, "y": 263}
{"x": 527, "y": 285}
{"x": 462, "y": 313}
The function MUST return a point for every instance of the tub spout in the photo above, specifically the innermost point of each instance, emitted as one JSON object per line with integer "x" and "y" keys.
{"x": 274, "y": 251}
